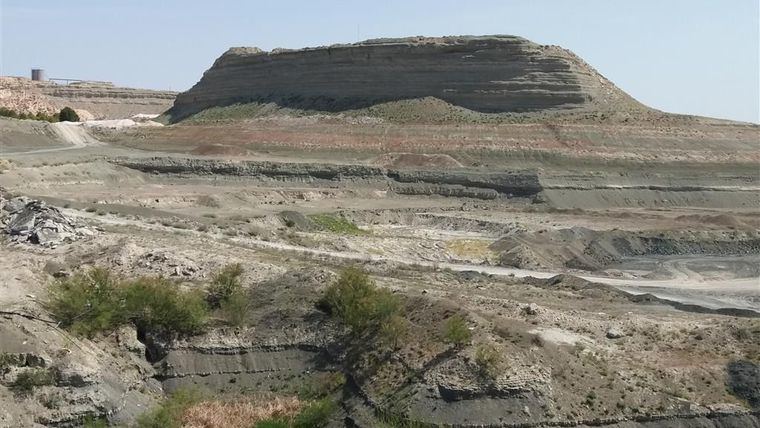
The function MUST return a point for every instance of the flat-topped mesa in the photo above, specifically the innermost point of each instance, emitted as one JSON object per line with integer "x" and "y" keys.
{"x": 481, "y": 73}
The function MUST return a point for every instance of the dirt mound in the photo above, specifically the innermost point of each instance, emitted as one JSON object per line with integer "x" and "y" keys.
{"x": 219, "y": 149}
{"x": 416, "y": 160}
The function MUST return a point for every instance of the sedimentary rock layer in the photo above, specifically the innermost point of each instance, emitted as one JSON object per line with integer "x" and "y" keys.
{"x": 101, "y": 100}
{"x": 480, "y": 185}
{"x": 486, "y": 74}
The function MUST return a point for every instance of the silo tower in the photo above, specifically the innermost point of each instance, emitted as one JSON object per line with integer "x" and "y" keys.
{"x": 38, "y": 74}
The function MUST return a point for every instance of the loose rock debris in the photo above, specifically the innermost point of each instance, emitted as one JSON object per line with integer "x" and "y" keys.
{"x": 35, "y": 222}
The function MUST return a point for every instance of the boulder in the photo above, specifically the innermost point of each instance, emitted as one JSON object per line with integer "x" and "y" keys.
{"x": 615, "y": 333}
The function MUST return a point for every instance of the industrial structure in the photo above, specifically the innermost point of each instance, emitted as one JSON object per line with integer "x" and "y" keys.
{"x": 38, "y": 74}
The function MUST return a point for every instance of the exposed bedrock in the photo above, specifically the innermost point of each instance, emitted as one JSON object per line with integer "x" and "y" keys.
{"x": 481, "y": 185}
{"x": 486, "y": 74}
{"x": 102, "y": 100}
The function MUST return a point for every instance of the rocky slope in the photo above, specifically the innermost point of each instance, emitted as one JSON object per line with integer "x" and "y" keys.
{"x": 485, "y": 74}
{"x": 101, "y": 99}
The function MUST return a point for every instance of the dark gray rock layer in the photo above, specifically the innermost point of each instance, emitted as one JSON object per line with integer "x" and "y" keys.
{"x": 480, "y": 185}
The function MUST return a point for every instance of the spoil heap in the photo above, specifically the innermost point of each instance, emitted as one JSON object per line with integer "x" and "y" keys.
{"x": 36, "y": 222}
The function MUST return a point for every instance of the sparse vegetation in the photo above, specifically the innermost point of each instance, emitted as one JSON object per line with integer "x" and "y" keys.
{"x": 322, "y": 385}
{"x": 315, "y": 415}
{"x": 30, "y": 379}
{"x": 226, "y": 293}
{"x": 190, "y": 407}
{"x": 169, "y": 413}
{"x": 488, "y": 360}
{"x": 92, "y": 422}
{"x": 456, "y": 331}
{"x": 225, "y": 283}
{"x": 158, "y": 304}
{"x": 393, "y": 329}
{"x": 6, "y": 112}
{"x": 68, "y": 114}
{"x": 360, "y": 304}
{"x": 336, "y": 224}
{"x": 91, "y": 302}
{"x": 87, "y": 303}
{"x": 7, "y": 360}
{"x": 240, "y": 412}
{"x": 235, "y": 308}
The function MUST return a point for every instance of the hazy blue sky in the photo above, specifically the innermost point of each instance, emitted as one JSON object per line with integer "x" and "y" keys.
{"x": 688, "y": 56}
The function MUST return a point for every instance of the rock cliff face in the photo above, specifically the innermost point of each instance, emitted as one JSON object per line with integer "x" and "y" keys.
{"x": 106, "y": 101}
{"x": 485, "y": 74}
{"x": 101, "y": 100}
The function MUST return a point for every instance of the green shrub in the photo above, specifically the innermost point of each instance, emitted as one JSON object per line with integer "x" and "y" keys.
{"x": 158, "y": 305}
{"x": 226, "y": 293}
{"x": 488, "y": 359}
{"x": 335, "y": 224}
{"x": 456, "y": 331}
{"x": 225, "y": 283}
{"x": 92, "y": 422}
{"x": 68, "y": 114}
{"x": 388, "y": 420}
{"x": 393, "y": 329}
{"x": 358, "y": 303}
{"x": 93, "y": 302}
{"x": 88, "y": 302}
{"x": 316, "y": 414}
{"x": 235, "y": 308}
{"x": 169, "y": 413}
{"x": 6, "y": 112}
{"x": 28, "y": 380}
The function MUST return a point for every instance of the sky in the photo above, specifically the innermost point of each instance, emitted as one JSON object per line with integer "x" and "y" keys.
{"x": 685, "y": 56}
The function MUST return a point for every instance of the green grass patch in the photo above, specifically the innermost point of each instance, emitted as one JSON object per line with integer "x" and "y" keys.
{"x": 315, "y": 415}
{"x": 336, "y": 224}
{"x": 169, "y": 413}
{"x": 322, "y": 385}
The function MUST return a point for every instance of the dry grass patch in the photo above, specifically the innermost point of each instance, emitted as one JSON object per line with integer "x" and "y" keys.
{"x": 471, "y": 249}
{"x": 240, "y": 413}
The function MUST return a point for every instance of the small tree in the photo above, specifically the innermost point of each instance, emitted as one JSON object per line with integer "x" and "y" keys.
{"x": 359, "y": 303}
{"x": 226, "y": 284}
{"x": 68, "y": 114}
{"x": 488, "y": 359}
{"x": 456, "y": 331}
{"x": 393, "y": 329}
